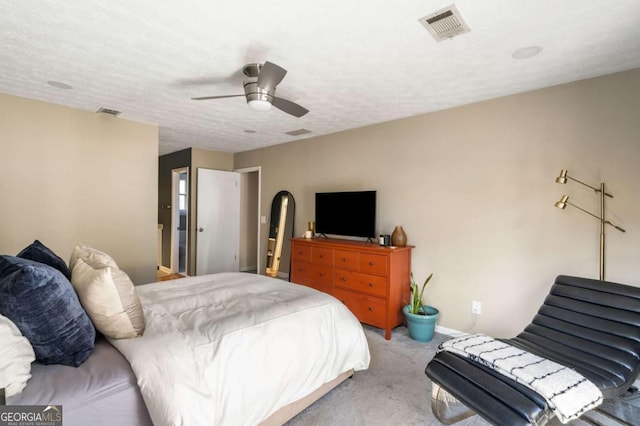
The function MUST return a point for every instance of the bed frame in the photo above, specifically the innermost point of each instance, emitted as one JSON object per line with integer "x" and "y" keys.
{"x": 289, "y": 411}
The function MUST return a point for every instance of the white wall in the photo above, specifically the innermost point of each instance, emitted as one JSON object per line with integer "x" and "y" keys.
{"x": 474, "y": 189}
{"x": 70, "y": 176}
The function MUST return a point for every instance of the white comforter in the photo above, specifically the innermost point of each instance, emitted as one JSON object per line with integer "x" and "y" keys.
{"x": 233, "y": 348}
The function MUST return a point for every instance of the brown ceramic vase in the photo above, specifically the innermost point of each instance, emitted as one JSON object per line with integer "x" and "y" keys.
{"x": 398, "y": 237}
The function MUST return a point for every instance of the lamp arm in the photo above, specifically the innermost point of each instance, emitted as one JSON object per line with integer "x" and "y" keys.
{"x": 587, "y": 212}
{"x": 615, "y": 226}
{"x": 596, "y": 216}
{"x": 589, "y": 186}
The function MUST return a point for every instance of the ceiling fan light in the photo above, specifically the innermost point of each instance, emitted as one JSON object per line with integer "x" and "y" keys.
{"x": 259, "y": 105}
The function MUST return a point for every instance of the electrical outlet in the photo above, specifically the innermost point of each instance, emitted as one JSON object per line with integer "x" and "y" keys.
{"x": 476, "y": 307}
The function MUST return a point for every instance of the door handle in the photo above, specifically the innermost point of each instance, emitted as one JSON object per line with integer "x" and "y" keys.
{"x": 200, "y": 229}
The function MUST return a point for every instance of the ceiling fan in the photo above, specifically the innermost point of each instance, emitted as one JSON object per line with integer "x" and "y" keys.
{"x": 260, "y": 88}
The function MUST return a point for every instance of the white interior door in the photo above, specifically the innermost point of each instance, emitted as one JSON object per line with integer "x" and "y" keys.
{"x": 218, "y": 221}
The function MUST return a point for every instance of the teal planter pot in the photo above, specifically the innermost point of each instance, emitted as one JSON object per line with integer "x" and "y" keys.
{"x": 421, "y": 327}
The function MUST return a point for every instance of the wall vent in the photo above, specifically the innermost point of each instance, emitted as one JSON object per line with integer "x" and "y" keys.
{"x": 108, "y": 111}
{"x": 445, "y": 23}
{"x": 298, "y": 132}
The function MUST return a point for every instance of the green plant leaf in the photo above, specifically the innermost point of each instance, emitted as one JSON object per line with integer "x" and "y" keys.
{"x": 416, "y": 294}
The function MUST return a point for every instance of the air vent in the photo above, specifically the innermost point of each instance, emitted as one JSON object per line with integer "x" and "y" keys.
{"x": 445, "y": 23}
{"x": 108, "y": 111}
{"x": 298, "y": 132}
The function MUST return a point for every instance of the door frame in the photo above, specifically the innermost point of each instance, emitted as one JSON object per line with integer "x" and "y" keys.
{"x": 175, "y": 218}
{"x": 257, "y": 169}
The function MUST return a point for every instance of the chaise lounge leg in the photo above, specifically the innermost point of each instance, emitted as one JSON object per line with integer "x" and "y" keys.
{"x": 440, "y": 405}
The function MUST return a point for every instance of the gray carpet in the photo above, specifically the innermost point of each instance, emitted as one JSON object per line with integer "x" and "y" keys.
{"x": 395, "y": 390}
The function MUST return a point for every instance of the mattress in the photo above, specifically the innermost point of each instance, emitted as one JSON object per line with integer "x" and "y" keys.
{"x": 234, "y": 348}
{"x": 102, "y": 391}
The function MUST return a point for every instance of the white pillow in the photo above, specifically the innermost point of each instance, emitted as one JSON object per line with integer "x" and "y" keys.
{"x": 16, "y": 356}
{"x": 92, "y": 256}
{"x": 110, "y": 299}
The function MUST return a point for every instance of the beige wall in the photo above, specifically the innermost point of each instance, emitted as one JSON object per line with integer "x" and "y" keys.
{"x": 249, "y": 184}
{"x": 70, "y": 176}
{"x": 474, "y": 189}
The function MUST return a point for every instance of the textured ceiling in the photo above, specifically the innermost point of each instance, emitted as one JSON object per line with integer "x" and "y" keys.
{"x": 351, "y": 63}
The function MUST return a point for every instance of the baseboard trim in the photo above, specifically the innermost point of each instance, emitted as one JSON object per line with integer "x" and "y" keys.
{"x": 449, "y": 331}
{"x": 283, "y": 275}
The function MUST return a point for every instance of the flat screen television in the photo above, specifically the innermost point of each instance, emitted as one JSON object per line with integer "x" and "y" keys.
{"x": 346, "y": 213}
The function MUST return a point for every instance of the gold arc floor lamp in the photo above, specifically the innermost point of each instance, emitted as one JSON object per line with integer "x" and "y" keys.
{"x": 564, "y": 201}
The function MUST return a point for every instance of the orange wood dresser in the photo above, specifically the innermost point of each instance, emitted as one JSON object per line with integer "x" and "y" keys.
{"x": 373, "y": 281}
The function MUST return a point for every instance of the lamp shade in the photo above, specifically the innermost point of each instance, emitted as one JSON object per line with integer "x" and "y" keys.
{"x": 562, "y": 178}
{"x": 562, "y": 204}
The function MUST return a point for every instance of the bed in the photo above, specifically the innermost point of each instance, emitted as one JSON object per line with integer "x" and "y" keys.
{"x": 230, "y": 348}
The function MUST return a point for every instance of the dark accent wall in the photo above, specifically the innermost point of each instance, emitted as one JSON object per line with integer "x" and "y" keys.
{"x": 166, "y": 163}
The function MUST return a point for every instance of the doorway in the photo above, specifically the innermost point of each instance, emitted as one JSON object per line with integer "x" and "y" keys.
{"x": 179, "y": 220}
{"x": 250, "y": 220}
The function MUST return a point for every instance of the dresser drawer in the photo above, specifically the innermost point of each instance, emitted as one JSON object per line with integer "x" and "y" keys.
{"x": 301, "y": 253}
{"x": 373, "y": 264}
{"x": 346, "y": 259}
{"x": 370, "y": 284}
{"x": 309, "y": 271}
{"x": 322, "y": 256}
{"x": 368, "y": 309}
{"x": 323, "y": 274}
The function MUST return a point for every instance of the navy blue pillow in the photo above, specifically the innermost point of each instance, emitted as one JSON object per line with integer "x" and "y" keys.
{"x": 44, "y": 306}
{"x": 38, "y": 252}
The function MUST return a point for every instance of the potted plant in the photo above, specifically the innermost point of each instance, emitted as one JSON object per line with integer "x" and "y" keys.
{"x": 421, "y": 319}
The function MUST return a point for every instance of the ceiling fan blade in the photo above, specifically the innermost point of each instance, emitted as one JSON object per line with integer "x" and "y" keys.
{"x": 289, "y": 107}
{"x": 204, "y": 98}
{"x": 270, "y": 76}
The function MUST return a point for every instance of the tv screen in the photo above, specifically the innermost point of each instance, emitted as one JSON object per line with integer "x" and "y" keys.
{"x": 346, "y": 213}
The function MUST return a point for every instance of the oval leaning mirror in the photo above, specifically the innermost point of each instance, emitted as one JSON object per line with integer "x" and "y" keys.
{"x": 283, "y": 209}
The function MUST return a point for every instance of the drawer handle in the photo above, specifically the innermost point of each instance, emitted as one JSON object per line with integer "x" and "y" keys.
{"x": 300, "y": 252}
{"x": 321, "y": 256}
{"x": 371, "y": 263}
{"x": 344, "y": 279}
{"x": 370, "y": 308}
{"x": 343, "y": 302}
{"x": 370, "y": 284}
{"x": 344, "y": 259}
{"x": 320, "y": 273}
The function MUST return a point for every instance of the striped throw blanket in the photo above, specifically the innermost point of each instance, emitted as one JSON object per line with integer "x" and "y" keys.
{"x": 567, "y": 392}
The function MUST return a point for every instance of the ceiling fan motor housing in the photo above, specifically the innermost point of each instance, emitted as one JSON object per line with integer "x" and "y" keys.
{"x": 251, "y": 89}
{"x": 255, "y": 93}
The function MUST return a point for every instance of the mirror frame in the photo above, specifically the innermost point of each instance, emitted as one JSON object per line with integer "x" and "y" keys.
{"x": 278, "y": 243}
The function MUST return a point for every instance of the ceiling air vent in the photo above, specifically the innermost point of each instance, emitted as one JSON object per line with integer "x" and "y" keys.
{"x": 445, "y": 23}
{"x": 298, "y": 132}
{"x": 108, "y": 111}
